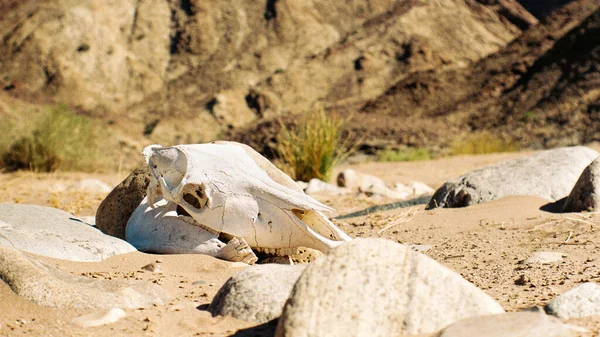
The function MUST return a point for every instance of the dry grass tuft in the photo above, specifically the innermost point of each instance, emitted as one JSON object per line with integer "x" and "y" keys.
{"x": 481, "y": 143}
{"x": 406, "y": 154}
{"x": 312, "y": 147}
{"x": 58, "y": 140}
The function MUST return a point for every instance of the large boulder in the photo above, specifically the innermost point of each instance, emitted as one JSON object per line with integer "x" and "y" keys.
{"x": 50, "y": 286}
{"x": 257, "y": 293}
{"x": 512, "y": 324}
{"x": 114, "y": 211}
{"x": 55, "y": 233}
{"x": 549, "y": 174}
{"x": 581, "y": 301}
{"x": 376, "y": 287}
{"x": 585, "y": 196}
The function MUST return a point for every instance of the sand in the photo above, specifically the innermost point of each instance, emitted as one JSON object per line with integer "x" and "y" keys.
{"x": 487, "y": 244}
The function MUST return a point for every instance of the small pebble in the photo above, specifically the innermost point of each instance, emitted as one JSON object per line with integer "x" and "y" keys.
{"x": 152, "y": 267}
{"x": 199, "y": 282}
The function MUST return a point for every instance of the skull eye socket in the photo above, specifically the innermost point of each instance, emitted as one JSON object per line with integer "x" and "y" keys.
{"x": 192, "y": 200}
{"x": 196, "y": 197}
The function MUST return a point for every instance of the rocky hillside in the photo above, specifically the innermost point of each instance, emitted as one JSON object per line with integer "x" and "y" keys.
{"x": 148, "y": 65}
{"x": 411, "y": 72}
{"x": 541, "y": 90}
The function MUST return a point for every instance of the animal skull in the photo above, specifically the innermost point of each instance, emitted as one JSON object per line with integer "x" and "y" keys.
{"x": 226, "y": 189}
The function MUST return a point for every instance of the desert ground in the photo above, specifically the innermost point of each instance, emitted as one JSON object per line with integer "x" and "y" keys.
{"x": 486, "y": 244}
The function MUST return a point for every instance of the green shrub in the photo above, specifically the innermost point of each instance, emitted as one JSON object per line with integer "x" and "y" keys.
{"x": 312, "y": 147}
{"x": 406, "y": 154}
{"x": 482, "y": 142}
{"x": 59, "y": 140}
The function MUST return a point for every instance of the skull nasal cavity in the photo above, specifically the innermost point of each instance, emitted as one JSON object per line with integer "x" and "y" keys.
{"x": 298, "y": 212}
{"x": 192, "y": 200}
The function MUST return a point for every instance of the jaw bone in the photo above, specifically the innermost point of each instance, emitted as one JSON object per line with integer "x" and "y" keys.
{"x": 226, "y": 191}
{"x": 161, "y": 229}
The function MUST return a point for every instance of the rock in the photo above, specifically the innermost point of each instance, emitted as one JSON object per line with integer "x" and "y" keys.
{"x": 544, "y": 258}
{"x": 99, "y": 318}
{"x": 512, "y": 324}
{"x": 585, "y": 196}
{"x": 420, "y": 188}
{"x": 231, "y": 108}
{"x": 377, "y": 191}
{"x": 356, "y": 180}
{"x": 55, "y": 233}
{"x": 302, "y": 184}
{"x": 315, "y": 186}
{"x": 376, "y": 287}
{"x": 115, "y": 210}
{"x": 49, "y": 286}
{"x": 90, "y": 185}
{"x": 152, "y": 267}
{"x": 549, "y": 174}
{"x": 257, "y": 293}
{"x": 581, "y": 301}
{"x": 403, "y": 189}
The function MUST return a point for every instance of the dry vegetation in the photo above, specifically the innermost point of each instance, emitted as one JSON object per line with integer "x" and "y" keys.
{"x": 58, "y": 140}
{"x": 405, "y": 154}
{"x": 313, "y": 147}
{"x": 482, "y": 143}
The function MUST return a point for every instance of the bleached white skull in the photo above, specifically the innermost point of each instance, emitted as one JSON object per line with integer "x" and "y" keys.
{"x": 225, "y": 188}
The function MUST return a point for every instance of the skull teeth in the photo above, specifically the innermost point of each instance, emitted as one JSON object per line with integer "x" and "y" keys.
{"x": 278, "y": 251}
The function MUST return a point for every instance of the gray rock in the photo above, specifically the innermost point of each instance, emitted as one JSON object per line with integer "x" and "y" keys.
{"x": 544, "y": 258}
{"x": 585, "y": 196}
{"x": 49, "y": 286}
{"x": 581, "y": 301}
{"x": 376, "y": 287}
{"x": 115, "y": 210}
{"x": 420, "y": 188}
{"x": 512, "y": 324}
{"x": 547, "y": 174}
{"x": 55, "y": 233}
{"x": 257, "y": 293}
{"x": 352, "y": 179}
{"x": 315, "y": 186}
